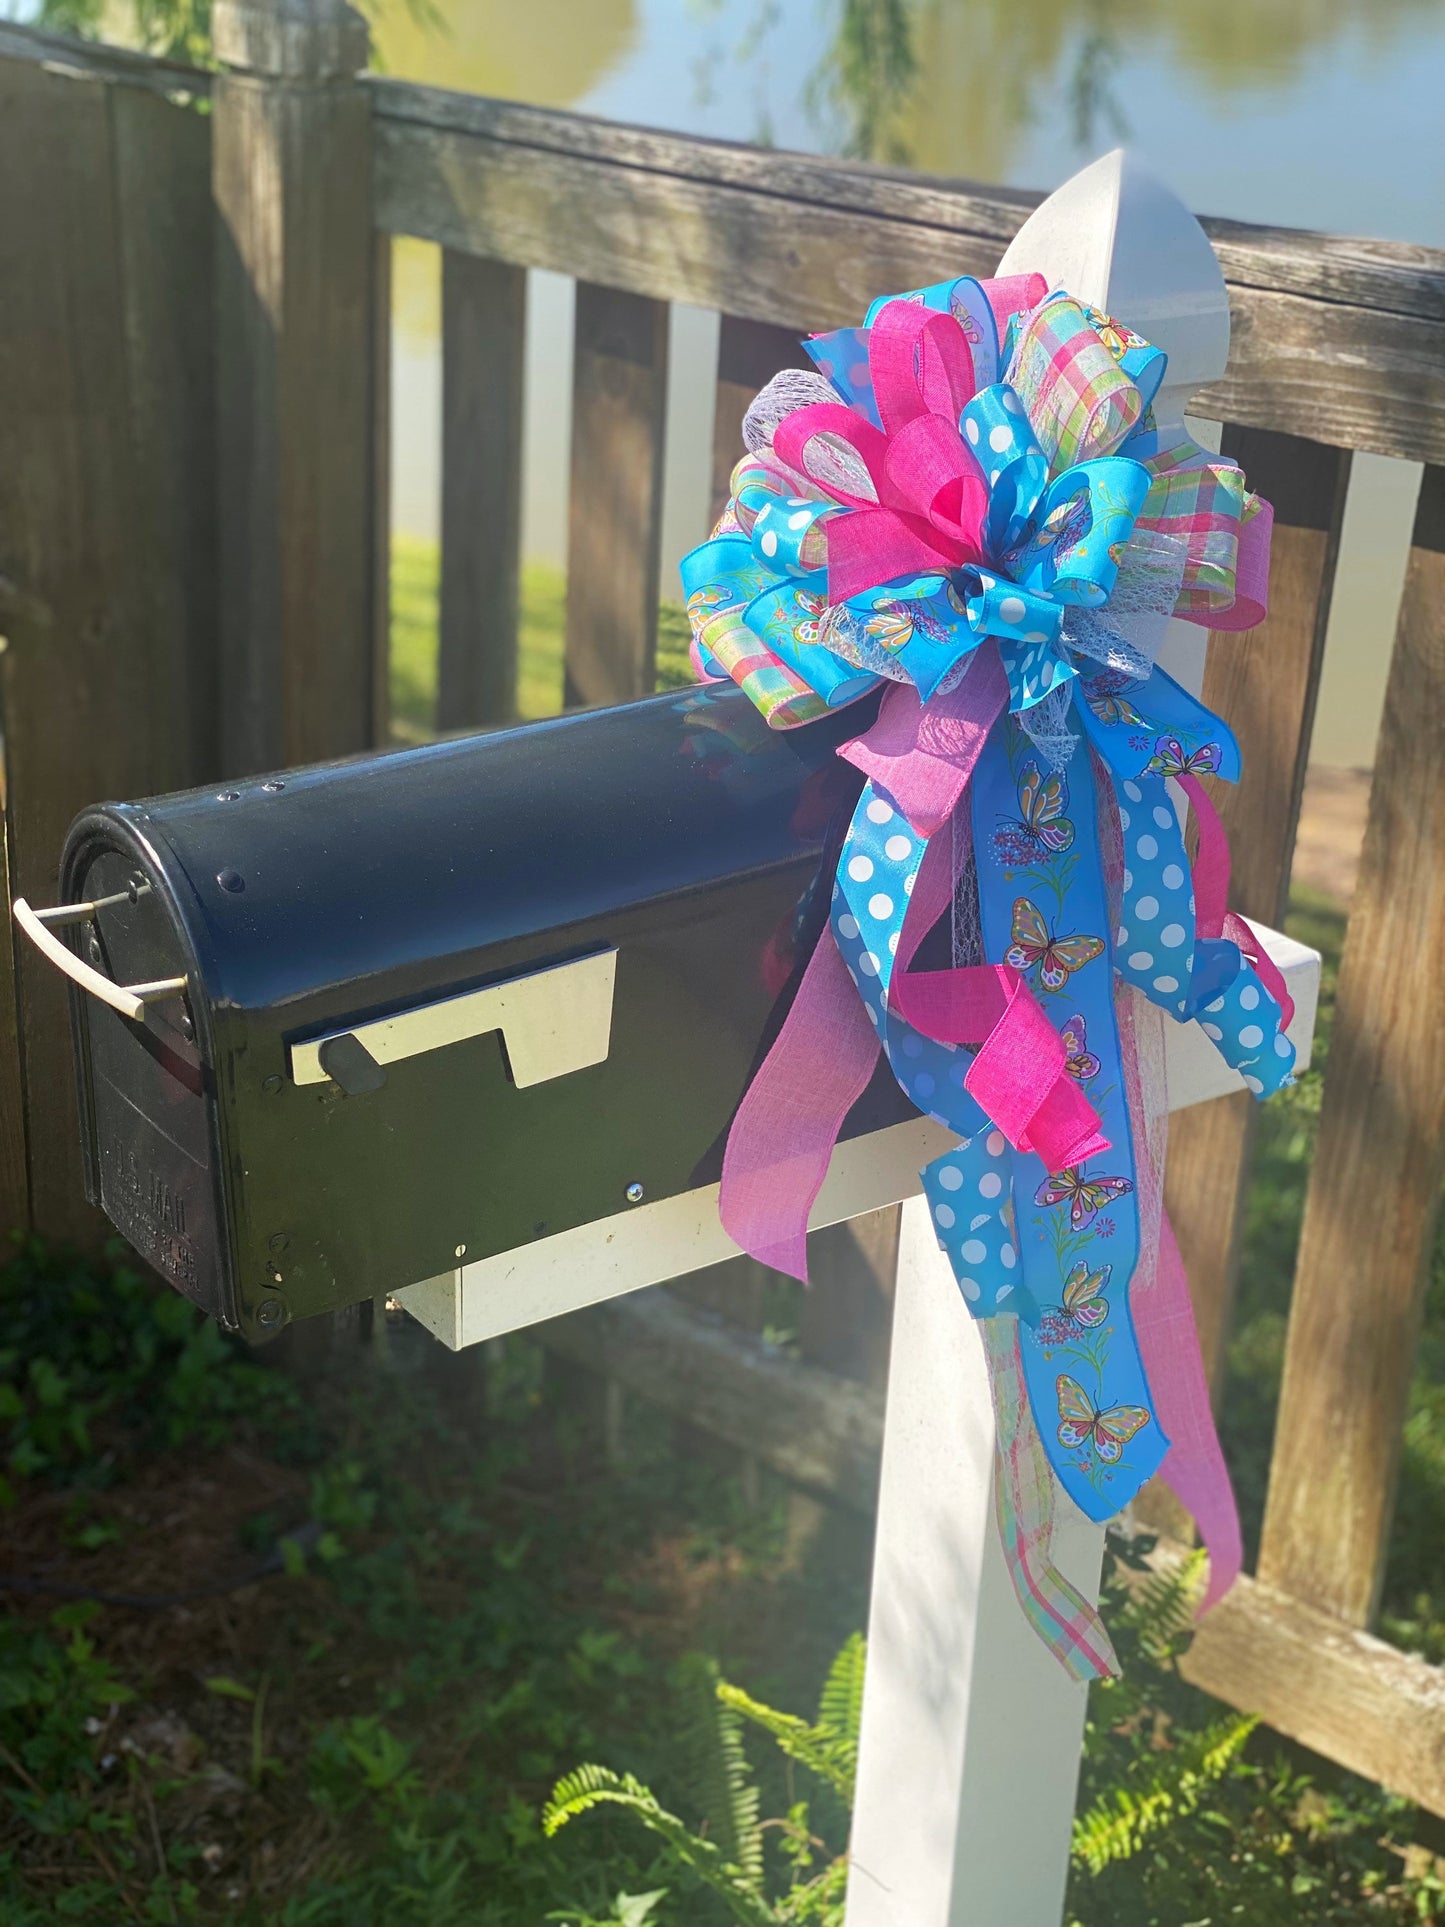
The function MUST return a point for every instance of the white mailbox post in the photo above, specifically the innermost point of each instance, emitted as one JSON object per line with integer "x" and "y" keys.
{"x": 971, "y": 1729}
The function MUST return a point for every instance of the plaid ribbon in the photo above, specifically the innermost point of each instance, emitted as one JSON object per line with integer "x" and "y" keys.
{"x": 1023, "y": 1498}
{"x": 1079, "y": 400}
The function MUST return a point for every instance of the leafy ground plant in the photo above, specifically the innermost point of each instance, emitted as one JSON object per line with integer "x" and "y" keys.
{"x": 725, "y": 1853}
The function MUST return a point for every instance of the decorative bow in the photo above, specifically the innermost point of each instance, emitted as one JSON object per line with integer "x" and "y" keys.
{"x": 984, "y": 512}
{"x": 935, "y": 504}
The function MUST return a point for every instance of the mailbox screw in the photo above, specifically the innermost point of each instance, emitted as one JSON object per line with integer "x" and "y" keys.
{"x": 634, "y": 1192}
{"x": 461, "y": 1251}
{"x": 277, "y": 1242}
{"x": 272, "y": 784}
{"x": 270, "y": 1085}
{"x": 228, "y": 796}
{"x": 187, "y": 1027}
{"x": 135, "y": 886}
{"x": 231, "y": 880}
{"x": 94, "y": 951}
{"x": 270, "y": 1313}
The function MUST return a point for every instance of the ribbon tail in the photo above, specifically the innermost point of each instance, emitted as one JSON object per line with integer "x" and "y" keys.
{"x": 1193, "y": 1468}
{"x": 1251, "y": 945}
{"x": 923, "y": 755}
{"x": 1023, "y": 1496}
{"x": 1019, "y": 1076}
{"x": 783, "y": 1134}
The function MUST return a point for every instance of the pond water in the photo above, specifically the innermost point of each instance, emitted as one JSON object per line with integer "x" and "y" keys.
{"x": 1309, "y": 113}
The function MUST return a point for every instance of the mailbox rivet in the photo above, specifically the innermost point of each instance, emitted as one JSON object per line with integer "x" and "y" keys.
{"x": 97, "y": 955}
{"x": 228, "y": 796}
{"x": 270, "y": 1085}
{"x": 270, "y": 1313}
{"x": 231, "y": 880}
{"x": 634, "y": 1192}
{"x": 278, "y": 1241}
{"x": 272, "y": 784}
{"x": 461, "y": 1251}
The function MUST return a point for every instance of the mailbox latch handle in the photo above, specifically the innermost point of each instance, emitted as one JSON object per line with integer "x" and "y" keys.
{"x": 552, "y": 1021}
{"x": 129, "y": 999}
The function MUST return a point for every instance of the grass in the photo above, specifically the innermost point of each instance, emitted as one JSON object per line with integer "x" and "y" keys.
{"x": 415, "y": 567}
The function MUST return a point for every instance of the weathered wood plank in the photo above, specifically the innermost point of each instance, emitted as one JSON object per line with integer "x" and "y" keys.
{"x": 291, "y": 181}
{"x": 1380, "y": 1160}
{"x": 484, "y": 327}
{"x": 821, "y": 1431}
{"x": 614, "y": 528}
{"x": 749, "y": 354}
{"x": 1353, "y": 1698}
{"x": 1265, "y": 682}
{"x": 107, "y": 535}
{"x": 1358, "y": 271}
{"x": 98, "y": 59}
{"x": 1340, "y": 340}
{"x": 1392, "y": 276}
{"x": 1358, "y": 1701}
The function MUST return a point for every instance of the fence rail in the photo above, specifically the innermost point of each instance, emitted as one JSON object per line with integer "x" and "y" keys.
{"x": 194, "y": 542}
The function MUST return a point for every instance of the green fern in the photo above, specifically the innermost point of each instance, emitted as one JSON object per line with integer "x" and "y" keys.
{"x": 726, "y": 1852}
{"x": 832, "y": 1755}
{"x": 723, "y": 1786}
{"x": 1116, "y": 1826}
{"x": 840, "y": 1705}
{"x": 589, "y": 1787}
{"x": 1159, "y": 1611}
{"x": 828, "y": 1747}
{"x": 819, "y": 1902}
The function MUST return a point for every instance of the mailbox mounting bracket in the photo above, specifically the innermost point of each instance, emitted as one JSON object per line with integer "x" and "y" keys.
{"x": 552, "y": 1021}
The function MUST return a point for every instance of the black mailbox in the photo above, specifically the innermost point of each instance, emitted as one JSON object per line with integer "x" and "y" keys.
{"x": 337, "y": 1028}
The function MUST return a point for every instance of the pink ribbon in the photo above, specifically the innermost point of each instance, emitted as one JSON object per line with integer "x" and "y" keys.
{"x": 1213, "y": 917}
{"x": 1020, "y": 1075}
{"x": 923, "y": 755}
{"x": 791, "y": 1113}
{"x": 787, "y": 1124}
{"x": 929, "y": 493}
{"x": 1251, "y": 577}
{"x": 1193, "y": 1468}
{"x": 1164, "y": 1324}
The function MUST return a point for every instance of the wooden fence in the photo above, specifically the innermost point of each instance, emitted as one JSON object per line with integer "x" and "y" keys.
{"x": 194, "y": 439}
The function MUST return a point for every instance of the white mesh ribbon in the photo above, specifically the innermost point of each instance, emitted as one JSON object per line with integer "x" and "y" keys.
{"x": 832, "y": 465}
{"x": 1128, "y": 632}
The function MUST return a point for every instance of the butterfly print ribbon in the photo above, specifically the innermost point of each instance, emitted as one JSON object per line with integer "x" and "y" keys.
{"x": 975, "y": 507}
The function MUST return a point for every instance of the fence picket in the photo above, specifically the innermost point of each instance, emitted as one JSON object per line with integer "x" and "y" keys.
{"x": 380, "y": 538}
{"x": 1380, "y": 1160}
{"x": 484, "y": 324}
{"x": 107, "y": 539}
{"x": 291, "y": 176}
{"x": 749, "y": 353}
{"x": 619, "y": 398}
{"x": 1266, "y": 682}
